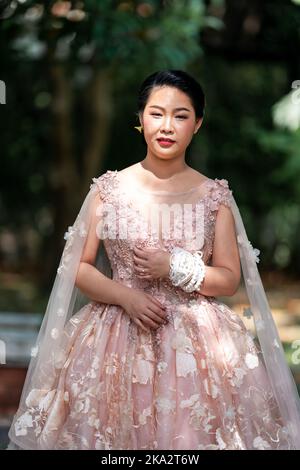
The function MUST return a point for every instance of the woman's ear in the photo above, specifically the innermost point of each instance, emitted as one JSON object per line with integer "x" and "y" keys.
{"x": 198, "y": 124}
{"x": 141, "y": 120}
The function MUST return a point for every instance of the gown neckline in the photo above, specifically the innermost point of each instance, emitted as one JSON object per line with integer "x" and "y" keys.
{"x": 163, "y": 192}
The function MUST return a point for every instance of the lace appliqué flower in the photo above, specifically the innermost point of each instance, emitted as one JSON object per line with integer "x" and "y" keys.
{"x": 78, "y": 228}
{"x": 219, "y": 193}
{"x": 254, "y": 252}
{"x": 105, "y": 184}
{"x": 260, "y": 444}
{"x": 247, "y": 312}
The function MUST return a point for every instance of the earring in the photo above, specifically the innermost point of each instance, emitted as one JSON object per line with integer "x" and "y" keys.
{"x": 139, "y": 128}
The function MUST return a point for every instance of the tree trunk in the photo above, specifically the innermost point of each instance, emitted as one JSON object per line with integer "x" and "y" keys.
{"x": 98, "y": 117}
{"x": 70, "y": 186}
{"x": 63, "y": 177}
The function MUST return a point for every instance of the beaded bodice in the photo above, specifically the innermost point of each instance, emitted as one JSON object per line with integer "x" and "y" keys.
{"x": 131, "y": 224}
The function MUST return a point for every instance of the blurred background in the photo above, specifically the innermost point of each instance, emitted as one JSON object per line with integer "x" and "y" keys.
{"x": 69, "y": 78}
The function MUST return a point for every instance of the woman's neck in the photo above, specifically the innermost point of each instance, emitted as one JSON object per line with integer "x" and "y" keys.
{"x": 163, "y": 170}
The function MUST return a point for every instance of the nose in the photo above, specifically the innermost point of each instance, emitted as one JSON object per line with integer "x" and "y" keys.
{"x": 167, "y": 125}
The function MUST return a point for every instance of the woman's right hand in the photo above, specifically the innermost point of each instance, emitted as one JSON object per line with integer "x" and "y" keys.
{"x": 146, "y": 311}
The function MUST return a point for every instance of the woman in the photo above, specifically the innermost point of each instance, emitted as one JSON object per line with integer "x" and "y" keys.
{"x": 153, "y": 360}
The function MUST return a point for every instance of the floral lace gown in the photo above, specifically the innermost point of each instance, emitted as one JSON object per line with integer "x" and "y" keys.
{"x": 198, "y": 382}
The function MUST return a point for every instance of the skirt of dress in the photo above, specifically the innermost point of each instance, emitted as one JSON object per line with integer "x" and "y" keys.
{"x": 198, "y": 382}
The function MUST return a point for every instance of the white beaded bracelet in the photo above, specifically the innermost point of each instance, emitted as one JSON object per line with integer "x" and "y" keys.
{"x": 181, "y": 263}
{"x": 187, "y": 270}
{"x": 199, "y": 274}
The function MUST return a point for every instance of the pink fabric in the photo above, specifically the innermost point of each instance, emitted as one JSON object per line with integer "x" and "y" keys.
{"x": 198, "y": 382}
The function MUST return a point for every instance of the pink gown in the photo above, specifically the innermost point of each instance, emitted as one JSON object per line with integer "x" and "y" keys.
{"x": 199, "y": 382}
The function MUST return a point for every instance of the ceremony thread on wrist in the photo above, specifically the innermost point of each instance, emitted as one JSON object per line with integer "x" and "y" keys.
{"x": 187, "y": 270}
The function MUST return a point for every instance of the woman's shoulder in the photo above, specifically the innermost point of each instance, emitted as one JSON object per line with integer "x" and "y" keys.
{"x": 212, "y": 182}
{"x": 106, "y": 176}
{"x": 219, "y": 193}
{"x": 221, "y": 183}
{"x": 104, "y": 183}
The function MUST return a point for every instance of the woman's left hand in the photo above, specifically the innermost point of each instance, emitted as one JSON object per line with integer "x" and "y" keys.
{"x": 151, "y": 263}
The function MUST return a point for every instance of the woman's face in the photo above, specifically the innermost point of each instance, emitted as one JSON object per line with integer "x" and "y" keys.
{"x": 162, "y": 118}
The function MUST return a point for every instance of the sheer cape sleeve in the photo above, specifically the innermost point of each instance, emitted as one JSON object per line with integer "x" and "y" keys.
{"x": 48, "y": 354}
{"x": 279, "y": 373}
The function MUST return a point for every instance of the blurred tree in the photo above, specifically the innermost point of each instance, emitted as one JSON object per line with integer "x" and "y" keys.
{"x": 82, "y": 50}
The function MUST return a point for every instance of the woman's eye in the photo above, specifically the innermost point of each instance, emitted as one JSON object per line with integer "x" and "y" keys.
{"x": 157, "y": 114}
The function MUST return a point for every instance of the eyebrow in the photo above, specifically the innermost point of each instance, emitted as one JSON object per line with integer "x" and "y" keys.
{"x": 175, "y": 109}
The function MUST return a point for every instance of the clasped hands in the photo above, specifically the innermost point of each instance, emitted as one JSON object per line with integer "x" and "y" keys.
{"x": 151, "y": 263}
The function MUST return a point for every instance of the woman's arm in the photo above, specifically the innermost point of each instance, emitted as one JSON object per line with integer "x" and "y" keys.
{"x": 90, "y": 280}
{"x": 224, "y": 274}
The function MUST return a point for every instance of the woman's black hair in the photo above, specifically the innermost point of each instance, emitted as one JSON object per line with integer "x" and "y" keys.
{"x": 177, "y": 79}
